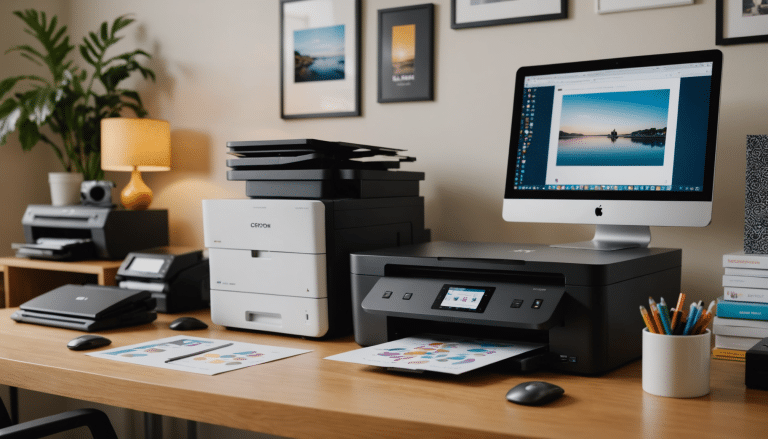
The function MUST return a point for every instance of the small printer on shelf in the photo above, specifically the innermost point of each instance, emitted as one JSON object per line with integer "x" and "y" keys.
{"x": 90, "y": 232}
{"x": 177, "y": 277}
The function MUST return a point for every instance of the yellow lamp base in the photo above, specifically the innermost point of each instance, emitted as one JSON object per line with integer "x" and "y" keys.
{"x": 136, "y": 195}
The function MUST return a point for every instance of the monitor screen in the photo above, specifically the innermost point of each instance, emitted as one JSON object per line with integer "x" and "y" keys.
{"x": 627, "y": 141}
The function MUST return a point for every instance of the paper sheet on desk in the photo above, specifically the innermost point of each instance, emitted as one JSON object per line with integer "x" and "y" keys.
{"x": 437, "y": 353}
{"x": 236, "y": 356}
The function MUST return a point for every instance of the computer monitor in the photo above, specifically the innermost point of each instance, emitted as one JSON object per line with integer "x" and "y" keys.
{"x": 624, "y": 144}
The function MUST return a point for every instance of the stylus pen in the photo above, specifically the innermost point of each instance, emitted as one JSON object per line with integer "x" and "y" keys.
{"x": 180, "y": 357}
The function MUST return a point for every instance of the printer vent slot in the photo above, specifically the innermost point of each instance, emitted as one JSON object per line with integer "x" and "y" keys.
{"x": 464, "y": 275}
{"x": 81, "y": 219}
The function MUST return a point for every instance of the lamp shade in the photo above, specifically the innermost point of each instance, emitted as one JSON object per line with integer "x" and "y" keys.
{"x": 129, "y": 144}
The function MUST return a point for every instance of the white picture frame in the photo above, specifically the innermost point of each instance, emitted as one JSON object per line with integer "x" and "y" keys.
{"x": 320, "y": 55}
{"x": 610, "y": 6}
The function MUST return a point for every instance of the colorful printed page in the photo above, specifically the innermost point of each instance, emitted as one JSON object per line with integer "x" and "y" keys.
{"x": 437, "y": 353}
{"x": 200, "y": 355}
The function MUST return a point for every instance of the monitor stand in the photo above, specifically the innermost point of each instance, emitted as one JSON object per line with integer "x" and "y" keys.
{"x": 609, "y": 238}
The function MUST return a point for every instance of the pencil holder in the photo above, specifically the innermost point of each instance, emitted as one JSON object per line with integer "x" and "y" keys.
{"x": 676, "y": 366}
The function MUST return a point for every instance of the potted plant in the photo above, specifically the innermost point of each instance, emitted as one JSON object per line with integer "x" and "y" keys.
{"x": 71, "y": 102}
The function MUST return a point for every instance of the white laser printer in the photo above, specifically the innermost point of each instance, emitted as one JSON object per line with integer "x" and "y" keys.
{"x": 282, "y": 265}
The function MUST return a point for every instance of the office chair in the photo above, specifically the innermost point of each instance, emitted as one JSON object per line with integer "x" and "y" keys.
{"x": 96, "y": 421}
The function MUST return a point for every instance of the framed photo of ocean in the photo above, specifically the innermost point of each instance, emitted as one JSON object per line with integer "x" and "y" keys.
{"x": 320, "y": 65}
{"x": 406, "y": 54}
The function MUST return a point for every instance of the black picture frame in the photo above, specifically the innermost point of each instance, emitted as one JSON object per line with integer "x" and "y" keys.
{"x": 406, "y": 54}
{"x": 480, "y": 13}
{"x": 755, "y": 31}
{"x": 331, "y": 42}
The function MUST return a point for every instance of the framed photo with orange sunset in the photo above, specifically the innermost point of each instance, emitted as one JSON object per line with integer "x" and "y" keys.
{"x": 406, "y": 53}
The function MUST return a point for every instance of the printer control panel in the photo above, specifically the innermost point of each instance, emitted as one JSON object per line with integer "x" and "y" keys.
{"x": 511, "y": 305}
{"x": 463, "y": 298}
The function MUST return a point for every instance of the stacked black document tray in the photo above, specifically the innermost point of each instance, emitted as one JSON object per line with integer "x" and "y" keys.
{"x": 315, "y": 169}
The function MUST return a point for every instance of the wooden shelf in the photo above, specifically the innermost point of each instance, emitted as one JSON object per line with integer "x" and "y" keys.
{"x": 25, "y": 278}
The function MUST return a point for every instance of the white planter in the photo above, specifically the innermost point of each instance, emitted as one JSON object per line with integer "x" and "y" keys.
{"x": 65, "y": 188}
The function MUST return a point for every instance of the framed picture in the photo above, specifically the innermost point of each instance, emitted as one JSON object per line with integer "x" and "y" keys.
{"x": 320, "y": 59}
{"x": 606, "y": 6}
{"x": 741, "y": 21}
{"x": 478, "y": 13}
{"x": 406, "y": 53}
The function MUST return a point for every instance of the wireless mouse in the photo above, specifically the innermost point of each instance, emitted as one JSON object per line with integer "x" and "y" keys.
{"x": 187, "y": 324}
{"x": 534, "y": 393}
{"x": 88, "y": 341}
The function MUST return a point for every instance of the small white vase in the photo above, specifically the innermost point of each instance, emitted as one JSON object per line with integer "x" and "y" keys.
{"x": 65, "y": 187}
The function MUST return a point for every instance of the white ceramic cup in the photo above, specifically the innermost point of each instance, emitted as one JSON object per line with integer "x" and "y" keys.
{"x": 676, "y": 366}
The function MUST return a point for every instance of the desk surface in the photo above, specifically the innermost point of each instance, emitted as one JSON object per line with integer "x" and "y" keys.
{"x": 307, "y": 396}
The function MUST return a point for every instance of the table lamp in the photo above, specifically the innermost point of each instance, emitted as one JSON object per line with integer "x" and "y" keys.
{"x": 131, "y": 144}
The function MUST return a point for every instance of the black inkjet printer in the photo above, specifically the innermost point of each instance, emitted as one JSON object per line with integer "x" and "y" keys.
{"x": 177, "y": 277}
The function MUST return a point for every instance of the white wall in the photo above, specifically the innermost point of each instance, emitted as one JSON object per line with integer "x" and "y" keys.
{"x": 218, "y": 80}
{"x": 23, "y": 175}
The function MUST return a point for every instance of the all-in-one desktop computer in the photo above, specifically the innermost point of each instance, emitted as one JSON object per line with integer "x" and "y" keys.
{"x": 623, "y": 143}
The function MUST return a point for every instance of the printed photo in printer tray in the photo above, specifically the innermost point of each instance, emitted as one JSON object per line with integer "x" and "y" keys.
{"x": 437, "y": 353}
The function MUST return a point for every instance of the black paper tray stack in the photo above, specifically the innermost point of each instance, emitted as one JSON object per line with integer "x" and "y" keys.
{"x": 310, "y": 168}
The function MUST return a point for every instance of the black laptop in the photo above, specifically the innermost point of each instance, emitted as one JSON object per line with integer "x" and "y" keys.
{"x": 89, "y": 308}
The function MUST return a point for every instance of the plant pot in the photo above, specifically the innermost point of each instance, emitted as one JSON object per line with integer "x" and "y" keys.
{"x": 65, "y": 188}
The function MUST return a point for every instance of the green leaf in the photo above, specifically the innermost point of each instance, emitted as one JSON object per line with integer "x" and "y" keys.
{"x": 84, "y": 52}
{"x": 7, "y": 84}
{"x": 121, "y": 22}
{"x": 10, "y": 112}
{"x": 29, "y": 135}
{"x": 96, "y": 42}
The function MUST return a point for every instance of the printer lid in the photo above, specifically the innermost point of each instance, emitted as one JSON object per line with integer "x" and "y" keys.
{"x": 578, "y": 266}
{"x": 89, "y": 301}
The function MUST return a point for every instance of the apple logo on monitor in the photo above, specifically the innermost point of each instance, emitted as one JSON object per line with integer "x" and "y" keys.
{"x": 599, "y": 211}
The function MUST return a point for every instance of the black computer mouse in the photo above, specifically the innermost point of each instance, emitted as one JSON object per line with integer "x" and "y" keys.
{"x": 187, "y": 324}
{"x": 88, "y": 341}
{"x": 534, "y": 393}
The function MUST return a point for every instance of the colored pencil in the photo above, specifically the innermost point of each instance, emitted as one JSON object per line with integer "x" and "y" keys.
{"x": 648, "y": 321}
{"x": 678, "y": 310}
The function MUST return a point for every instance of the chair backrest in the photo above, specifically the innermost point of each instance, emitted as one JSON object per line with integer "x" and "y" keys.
{"x": 5, "y": 419}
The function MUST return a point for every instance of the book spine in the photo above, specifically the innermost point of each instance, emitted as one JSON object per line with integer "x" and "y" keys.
{"x": 733, "y": 353}
{"x": 740, "y": 331}
{"x": 727, "y": 358}
{"x": 749, "y": 272}
{"x": 742, "y": 310}
{"x": 748, "y": 294}
{"x": 745, "y": 261}
{"x": 739, "y": 323}
{"x": 739, "y": 343}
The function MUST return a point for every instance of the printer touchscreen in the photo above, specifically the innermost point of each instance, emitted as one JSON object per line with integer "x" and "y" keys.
{"x": 146, "y": 265}
{"x": 463, "y": 298}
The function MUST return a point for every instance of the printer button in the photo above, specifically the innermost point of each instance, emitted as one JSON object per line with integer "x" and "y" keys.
{"x": 407, "y": 296}
{"x": 537, "y": 303}
{"x": 387, "y": 294}
{"x": 517, "y": 303}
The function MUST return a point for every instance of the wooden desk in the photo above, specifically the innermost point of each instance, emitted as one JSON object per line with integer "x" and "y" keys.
{"x": 28, "y": 278}
{"x": 307, "y": 396}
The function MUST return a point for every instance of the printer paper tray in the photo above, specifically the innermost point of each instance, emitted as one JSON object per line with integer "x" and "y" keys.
{"x": 83, "y": 324}
{"x": 499, "y": 310}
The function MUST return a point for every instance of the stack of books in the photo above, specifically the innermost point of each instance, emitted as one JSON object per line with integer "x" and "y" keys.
{"x": 742, "y": 313}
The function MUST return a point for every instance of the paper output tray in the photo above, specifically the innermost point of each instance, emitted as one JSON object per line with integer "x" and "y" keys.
{"x": 499, "y": 310}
